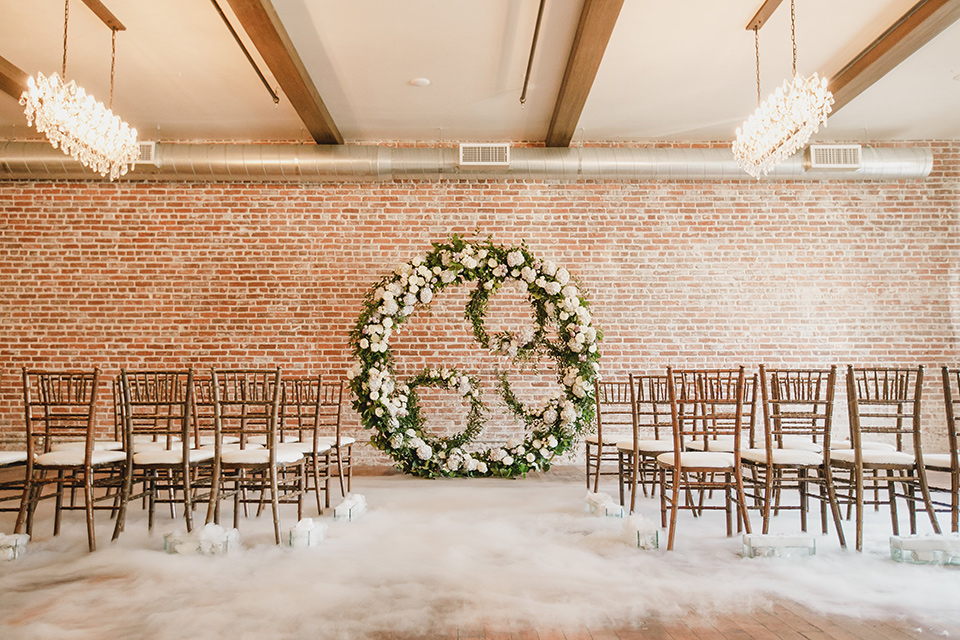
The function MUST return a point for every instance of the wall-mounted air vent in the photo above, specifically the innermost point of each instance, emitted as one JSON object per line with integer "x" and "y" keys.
{"x": 844, "y": 157}
{"x": 148, "y": 154}
{"x": 484, "y": 154}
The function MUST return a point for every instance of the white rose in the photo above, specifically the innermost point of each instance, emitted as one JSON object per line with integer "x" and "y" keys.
{"x": 470, "y": 263}
{"x": 530, "y": 457}
{"x": 550, "y": 416}
{"x": 563, "y": 276}
{"x": 491, "y": 263}
{"x": 552, "y": 442}
{"x": 549, "y": 267}
{"x": 552, "y": 288}
{"x": 426, "y": 295}
{"x": 356, "y": 368}
{"x": 507, "y": 460}
{"x": 374, "y": 395}
{"x": 448, "y": 276}
{"x": 488, "y": 285}
{"x": 481, "y": 466}
{"x": 515, "y": 258}
{"x": 364, "y": 343}
{"x": 389, "y": 307}
{"x": 528, "y": 274}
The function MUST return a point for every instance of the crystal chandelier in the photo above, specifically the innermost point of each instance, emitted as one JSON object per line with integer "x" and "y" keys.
{"x": 77, "y": 123}
{"x": 783, "y": 123}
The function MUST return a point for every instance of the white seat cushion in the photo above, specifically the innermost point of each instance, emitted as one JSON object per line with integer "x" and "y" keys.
{"x": 939, "y": 461}
{"x": 790, "y": 457}
{"x": 331, "y": 441}
{"x": 139, "y": 438}
{"x": 864, "y": 444}
{"x": 98, "y": 445}
{"x": 872, "y": 457}
{"x": 609, "y": 439}
{"x": 698, "y": 460}
{"x": 75, "y": 458}
{"x": 802, "y": 443}
{"x": 302, "y": 447}
{"x": 12, "y": 457}
{"x": 230, "y": 446}
{"x": 260, "y": 456}
{"x": 720, "y": 443}
{"x": 263, "y": 439}
{"x": 170, "y": 456}
{"x": 205, "y": 440}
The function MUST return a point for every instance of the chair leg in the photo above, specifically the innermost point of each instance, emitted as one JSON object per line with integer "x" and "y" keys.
{"x": 858, "y": 503}
{"x": 674, "y": 506}
{"x": 88, "y": 508}
{"x": 343, "y": 491}
{"x": 928, "y": 501}
{"x": 767, "y": 499}
{"x": 834, "y": 505}
{"x": 275, "y": 503}
{"x": 315, "y": 470}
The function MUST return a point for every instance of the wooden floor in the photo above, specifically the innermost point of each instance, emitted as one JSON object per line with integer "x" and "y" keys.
{"x": 784, "y": 621}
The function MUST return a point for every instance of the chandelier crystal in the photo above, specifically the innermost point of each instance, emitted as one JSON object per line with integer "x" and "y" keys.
{"x": 782, "y": 124}
{"x": 76, "y": 122}
{"x": 80, "y": 125}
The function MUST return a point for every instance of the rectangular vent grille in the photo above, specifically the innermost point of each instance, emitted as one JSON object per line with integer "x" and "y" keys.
{"x": 486, "y": 154}
{"x": 148, "y": 154}
{"x": 833, "y": 156}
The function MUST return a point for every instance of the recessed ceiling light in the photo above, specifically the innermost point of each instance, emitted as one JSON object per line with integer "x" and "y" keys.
{"x": 420, "y": 82}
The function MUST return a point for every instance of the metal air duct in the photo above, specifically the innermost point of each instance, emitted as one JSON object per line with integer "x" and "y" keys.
{"x": 365, "y": 163}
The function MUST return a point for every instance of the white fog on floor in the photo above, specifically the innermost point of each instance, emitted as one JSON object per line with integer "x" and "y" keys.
{"x": 431, "y": 554}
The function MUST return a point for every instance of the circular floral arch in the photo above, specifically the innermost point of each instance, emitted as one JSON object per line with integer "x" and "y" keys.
{"x": 391, "y": 408}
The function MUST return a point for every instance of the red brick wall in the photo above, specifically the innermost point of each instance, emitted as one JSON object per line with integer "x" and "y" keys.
{"x": 714, "y": 273}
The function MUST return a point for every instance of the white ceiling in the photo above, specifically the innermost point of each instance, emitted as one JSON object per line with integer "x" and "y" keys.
{"x": 673, "y": 71}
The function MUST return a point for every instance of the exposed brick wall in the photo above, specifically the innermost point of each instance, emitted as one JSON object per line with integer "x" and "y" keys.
{"x": 714, "y": 273}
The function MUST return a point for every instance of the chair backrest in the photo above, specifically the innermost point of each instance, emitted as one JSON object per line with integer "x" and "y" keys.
{"x": 202, "y": 408}
{"x": 706, "y": 404}
{"x": 951, "y": 403}
{"x": 156, "y": 406}
{"x": 797, "y": 404}
{"x": 246, "y": 403}
{"x": 300, "y": 407}
{"x": 59, "y": 406}
{"x": 885, "y": 402}
{"x": 614, "y": 408}
{"x": 651, "y": 404}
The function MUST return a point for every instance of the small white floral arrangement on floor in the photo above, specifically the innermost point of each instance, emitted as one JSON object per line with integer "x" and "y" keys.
{"x": 13, "y": 546}
{"x": 209, "y": 540}
{"x": 390, "y": 408}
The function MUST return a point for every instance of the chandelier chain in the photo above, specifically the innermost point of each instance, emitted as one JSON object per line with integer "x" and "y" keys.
{"x": 113, "y": 62}
{"x": 793, "y": 33}
{"x": 756, "y": 43}
{"x": 66, "y": 20}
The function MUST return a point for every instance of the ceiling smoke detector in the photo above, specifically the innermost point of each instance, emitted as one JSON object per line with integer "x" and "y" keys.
{"x": 484, "y": 154}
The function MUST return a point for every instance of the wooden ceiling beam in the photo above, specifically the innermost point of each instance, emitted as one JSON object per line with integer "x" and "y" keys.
{"x": 597, "y": 21}
{"x": 905, "y": 37}
{"x": 13, "y": 79}
{"x": 763, "y": 14}
{"x": 262, "y": 24}
{"x": 105, "y": 15}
